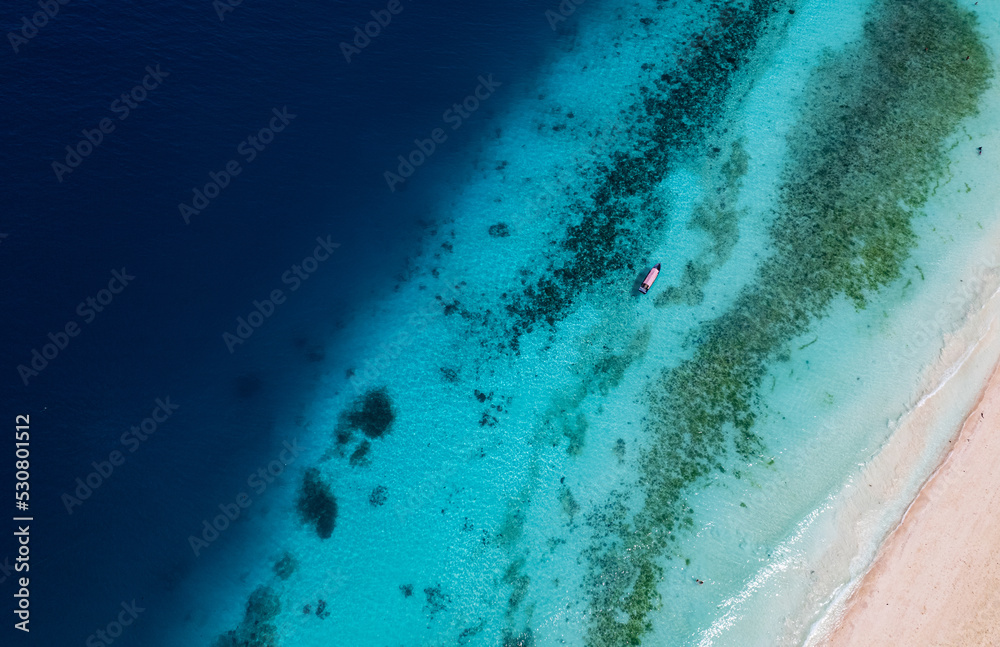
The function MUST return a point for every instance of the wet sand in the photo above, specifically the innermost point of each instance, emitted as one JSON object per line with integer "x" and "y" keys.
{"x": 936, "y": 580}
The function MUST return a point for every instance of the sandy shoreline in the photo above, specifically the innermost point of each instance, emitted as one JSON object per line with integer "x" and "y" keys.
{"x": 936, "y": 580}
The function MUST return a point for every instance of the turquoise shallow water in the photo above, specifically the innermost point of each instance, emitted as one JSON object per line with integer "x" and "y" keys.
{"x": 526, "y": 452}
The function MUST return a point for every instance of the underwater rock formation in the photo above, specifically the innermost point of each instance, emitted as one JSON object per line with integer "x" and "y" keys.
{"x": 523, "y": 639}
{"x": 499, "y": 230}
{"x": 436, "y": 600}
{"x": 378, "y": 496}
{"x": 360, "y": 455}
{"x": 372, "y": 413}
{"x": 285, "y": 566}
{"x": 256, "y": 629}
{"x": 316, "y": 504}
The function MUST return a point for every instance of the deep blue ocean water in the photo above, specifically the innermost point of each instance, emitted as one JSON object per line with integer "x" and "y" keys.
{"x": 161, "y": 337}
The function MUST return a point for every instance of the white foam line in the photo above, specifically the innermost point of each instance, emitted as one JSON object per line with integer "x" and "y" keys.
{"x": 954, "y": 368}
{"x": 836, "y": 606}
{"x": 786, "y": 557}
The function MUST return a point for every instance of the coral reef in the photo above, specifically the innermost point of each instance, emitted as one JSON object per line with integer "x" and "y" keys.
{"x": 523, "y": 639}
{"x": 499, "y": 230}
{"x": 378, "y": 496}
{"x": 256, "y": 628}
{"x": 316, "y": 504}
{"x": 862, "y": 161}
{"x": 285, "y": 566}
{"x": 372, "y": 413}
{"x": 437, "y": 601}
{"x": 360, "y": 455}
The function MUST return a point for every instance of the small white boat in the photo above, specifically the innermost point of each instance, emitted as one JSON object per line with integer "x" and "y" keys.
{"x": 648, "y": 281}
